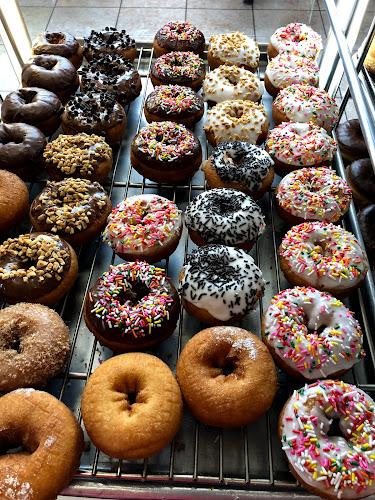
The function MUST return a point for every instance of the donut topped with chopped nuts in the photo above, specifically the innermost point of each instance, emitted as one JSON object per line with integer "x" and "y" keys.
{"x": 109, "y": 41}
{"x": 82, "y": 155}
{"x": 233, "y": 48}
{"x": 75, "y": 209}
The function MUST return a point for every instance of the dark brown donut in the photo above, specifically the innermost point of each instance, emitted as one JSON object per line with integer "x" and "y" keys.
{"x": 351, "y": 141}
{"x": 366, "y": 219}
{"x": 21, "y": 149}
{"x": 109, "y": 41}
{"x": 182, "y": 37}
{"x": 35, "y": 106}
{"x": 58, "y": 43}
{"x": 179, "y": 68}
{"x": 51, "y": 72}
{"x": 361, "y": 179}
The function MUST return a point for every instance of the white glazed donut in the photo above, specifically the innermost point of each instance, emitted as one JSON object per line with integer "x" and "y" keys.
{"x": 311, "y": 334}
{"x": 296, "y": 38}
{"x": 331, "y": 466}
{"x": 228, "y": 82}
{"x": 233, "y": 48}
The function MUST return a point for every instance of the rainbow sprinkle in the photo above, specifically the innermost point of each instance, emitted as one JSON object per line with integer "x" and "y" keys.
{"x": 175, "y": 99}
{"x": 180, "y": 31}
{"x": 179, "y": 64}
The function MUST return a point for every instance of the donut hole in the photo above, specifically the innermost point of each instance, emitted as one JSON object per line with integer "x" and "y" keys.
{"x": 134, "y": 295}
{"x": 28, "y": 96}
{"x": 11, "y": 443}
{"x": 236, "y": 112}
{"x": 335, "y": 430}
{"x": 224, "y": 206}
{"x": 236, "y": 158}
{"x": 47, "y": 64}
{"x": 55, "y": 38}
{"x": 232, "y": 79}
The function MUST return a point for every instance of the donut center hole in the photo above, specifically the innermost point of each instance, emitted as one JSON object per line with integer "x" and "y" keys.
{"x": 232, "y": 79}
{"x": 334, "y": 430}
{"x": 16, "y": 345}
{"x": 319, "y": 330}
{"x": 54, "y": 38}
{"x": 130, "y": 297}
{"x": 235, "y": 112}
{"x": 131, "y": 398}
{"x": 238, "y": 160}
{"x": 27, "y": 96}
{"x": 49, "y": 65}
{"x": 225, "y": 207}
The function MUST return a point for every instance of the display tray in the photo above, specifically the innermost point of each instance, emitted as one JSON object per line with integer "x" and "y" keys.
{"x": 202, "y": 461}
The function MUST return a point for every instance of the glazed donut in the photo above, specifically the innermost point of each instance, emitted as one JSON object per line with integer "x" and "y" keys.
{"x": 297, "y": 145}
{"x": 132, "y": 307}
{"x": 34, "y": 346}
{"x": 36, "y": 267}
{"x": 233, "y": 48}
{"x": 74, "y": 209}
{"x": 351, "y": 141}
{"x": 312, "y": 194}
{"x": 59, "y": 43}
{"x": 220, "y": 399}
{"x": 14, "y": 201}
{"x": 226, "y": 216}
{"x": 297, "y": 39}
{"x": 50, "y": 433}
{"x": 332, "y": 464}
{"x": 132, "y": 406}
{"x": 303, "y": 103}
{"x": 178, "y": 68}
{"x": 174, "y": 103}
{"x": 310, "y": 334}
{"x": 323, "y": 256}
{"x": 366, "y": 220}
{"x": 79, "y": 156}
{"x": 114, "y": 74}
{"x": 361, "y": 179}
{"x": 236, "y": 121}
{"x": 21, "y": 149}
{"x": 181, "y": 37}
{"x": 228, "y": 82}
{"x": 287, "y": 69}
{"x": 145, "y": 227}
{"x": 38, "y": 107}
{"x": 241, "y": 166}
{"x": 95, "y": 113}
{"x": 166, "y": 152}
{"x": 51, "y": 72}
{"x": 219, "y": 284}
{"x": 109, "y": 41}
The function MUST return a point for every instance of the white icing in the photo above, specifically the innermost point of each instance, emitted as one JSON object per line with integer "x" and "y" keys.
{"x": 287, "y": 69}
{"x": 298, "y": 39}
{"x": 235, "y": 48}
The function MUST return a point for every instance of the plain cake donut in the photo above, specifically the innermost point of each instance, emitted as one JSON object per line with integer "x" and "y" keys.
{"x": 233, "y": 399}
{"x": 132, "y": 406}
{"x": 14, "y": 201}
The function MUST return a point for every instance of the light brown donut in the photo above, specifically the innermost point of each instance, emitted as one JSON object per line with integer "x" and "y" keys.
{"x": 132, "y": 430}
{"x": 54, "y": 440}
{"x": 233, "y": 399}
{"x": 34, "y": 346}
{"x": 14, "y": 200}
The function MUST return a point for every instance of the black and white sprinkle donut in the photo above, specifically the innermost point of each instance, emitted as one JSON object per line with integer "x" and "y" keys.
{"x": 224, "y": 215}
{"x": 220, "y": 284}
{"x": 240, "y": 165}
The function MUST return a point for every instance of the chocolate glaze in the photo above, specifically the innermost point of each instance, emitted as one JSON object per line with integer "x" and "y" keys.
{"x": 20, "y": 144}
{"x": 362, "y": 176}
{"x": 350, "y": 135}
{"x": 195, "y": 44}
{"x": 154, "y": 107}
{"x": 59, "y": 43}
{"x": 166, "y": 73}
{"x": 51, "y": 72}
{"x": 366, "y": 219}
{"x": 108, "y": 41}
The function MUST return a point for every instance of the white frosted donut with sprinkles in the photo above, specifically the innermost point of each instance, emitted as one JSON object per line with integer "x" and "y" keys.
{"x": 295, "y": 38}
{"x": 304, "y": 103}
{"x": 233, "y": 48}
{"x": 323, "y": 256}
{"x": 332, "y": 464}
{"x": 311, "y": 334}
{"x": 145, "y": 227}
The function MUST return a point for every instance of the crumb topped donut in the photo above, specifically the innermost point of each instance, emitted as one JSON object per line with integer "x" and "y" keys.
{"x": 324, "y": 256}
{"x": 295, "y": 38}
{"x": 334, "y": 464}
{"x": 239, "y": 165}
{"x": 14, "y": 201}
{"x": 312, "y": 194}
{"x": 231, "y": 400}
{"x": 59, "y": 43}
{"x": 132, "y": 307}
{"x": 109, "y": 41}
{"x": 178, "y": 68}
{"x": 226, "y": 216}
{"x": 175, "y": 36}
{"x": 145, "y": 227}
{"x": 233, "y": 48}
{"x": 297, "y": 145}
{"x": 220, "y": 284}
{"x": 311, "y": 334}
{"x": 236, "y": 121}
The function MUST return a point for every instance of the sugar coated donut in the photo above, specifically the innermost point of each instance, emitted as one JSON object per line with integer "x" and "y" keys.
{"x": 334, "y": 464}
{"x": 82, "y": 155}
{"x": 36, "y": 267}
{"x": 34, "y": 346}
{"x": 50, "y": 433}
{"x": 145, "y": 227}
{"x": 176, "y": 36}
{"x": 324, "y": 256}
{"x": 74, "y": 209}
{"x": 311, "y": 334}
{"x": 295, "y": 38}
{"x": 220, "y": 284}
{"x": 303, "y": 103}
{"x": 230, "y": 399}
{"x": 312, "y": 194}
{"x": 233, "y": 48}
{"x": 366, "y": 220}
{"x": 59, "y": 43}
{"x": 361, "y": 179}
{"x": 228, "y": 82}
{"x": 239, "y": 165}
{"x": 178, "y": 68}
{"x": 226, "y": 216}
{"x": 132, "y": 406}
{"x": 131, "y": 307}
{"x": 109, "y": 41}
{"x": 236, "y": 121}
{"x": 350, "y": 139}
{"x": 14, "y": 201}
{"x": 297, "y": 145}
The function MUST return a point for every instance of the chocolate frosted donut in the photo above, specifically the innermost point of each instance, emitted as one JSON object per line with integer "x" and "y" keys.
{"x": 351, "y": 141}
{"x": 109, "y": 41}
{"x": 182, "y": 37}
{"x": 361, "y": 179}
{"x": 51, "y": 72}
{"x": 59, "y": 43}
{"x": 35, "y": 106}
{"x": 179, "y": 68}
{"x": 21, "y": 149}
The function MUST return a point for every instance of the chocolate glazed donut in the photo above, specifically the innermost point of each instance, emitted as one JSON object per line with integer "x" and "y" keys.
{"x": 182, "y": 37}
{"x": 361, "y": 179}
{"x": 351, "y": 141}
{"x": 366, "y": 219}
{"x": 58, "y": 43}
